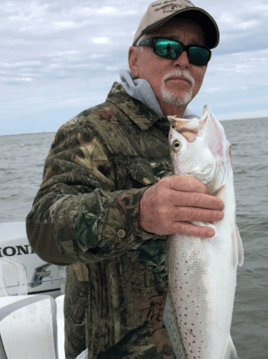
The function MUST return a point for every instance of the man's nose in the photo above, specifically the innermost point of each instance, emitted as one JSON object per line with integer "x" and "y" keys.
{"x": 182, "y": 60}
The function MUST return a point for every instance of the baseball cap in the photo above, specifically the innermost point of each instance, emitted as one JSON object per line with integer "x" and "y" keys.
{"x": 161, "y": 11}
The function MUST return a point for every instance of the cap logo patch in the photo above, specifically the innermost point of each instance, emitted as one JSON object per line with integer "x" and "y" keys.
{"x": 171, "y": 5}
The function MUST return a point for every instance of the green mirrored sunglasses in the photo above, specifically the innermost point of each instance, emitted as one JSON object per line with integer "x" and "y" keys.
{"x": 171, "y": 49}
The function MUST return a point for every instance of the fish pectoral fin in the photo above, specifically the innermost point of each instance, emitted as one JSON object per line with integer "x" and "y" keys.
{"x": 230, "y": 352}
{"x": 240, "y": 249}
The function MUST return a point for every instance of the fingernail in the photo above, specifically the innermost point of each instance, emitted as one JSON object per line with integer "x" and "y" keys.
{"x": 211, "y": 232}
{"x": 220, "y": 215}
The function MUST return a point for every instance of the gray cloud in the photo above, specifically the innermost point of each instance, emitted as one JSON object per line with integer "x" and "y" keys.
{"x": 62, "y": 57}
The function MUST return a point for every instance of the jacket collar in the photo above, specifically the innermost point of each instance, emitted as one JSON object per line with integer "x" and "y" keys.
{"x": 143, "y": 116}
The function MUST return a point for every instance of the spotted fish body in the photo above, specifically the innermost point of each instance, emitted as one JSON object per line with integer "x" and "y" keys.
{"x": 202, "y": 272}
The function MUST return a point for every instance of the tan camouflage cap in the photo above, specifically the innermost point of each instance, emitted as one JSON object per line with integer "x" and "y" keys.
{"x": 161, "y": 11}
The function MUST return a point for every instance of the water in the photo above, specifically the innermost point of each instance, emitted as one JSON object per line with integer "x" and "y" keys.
{"x": 21, "y": 168}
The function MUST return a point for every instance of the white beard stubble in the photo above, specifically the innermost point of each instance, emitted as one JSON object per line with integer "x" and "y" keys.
{"x": 173, "y": 98}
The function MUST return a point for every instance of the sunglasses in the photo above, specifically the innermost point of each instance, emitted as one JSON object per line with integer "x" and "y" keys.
{"x": 171, "y": 49}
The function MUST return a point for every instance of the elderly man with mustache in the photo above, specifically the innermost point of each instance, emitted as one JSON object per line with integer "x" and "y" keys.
{"x": 108, "y": 200}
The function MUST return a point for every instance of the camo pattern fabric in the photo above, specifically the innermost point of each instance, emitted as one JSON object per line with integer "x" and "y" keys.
{"x": 86, "y": 216}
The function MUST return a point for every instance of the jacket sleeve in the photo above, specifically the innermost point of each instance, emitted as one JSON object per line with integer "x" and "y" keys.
{"x": 77, "y": 215}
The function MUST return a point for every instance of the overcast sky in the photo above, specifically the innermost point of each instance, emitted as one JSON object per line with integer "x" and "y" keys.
{"x": 59, "y": 58}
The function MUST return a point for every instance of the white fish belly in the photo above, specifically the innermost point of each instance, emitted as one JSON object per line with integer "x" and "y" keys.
{"x": 202, "y": 281}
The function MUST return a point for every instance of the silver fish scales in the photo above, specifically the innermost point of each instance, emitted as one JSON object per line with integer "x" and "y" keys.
{"x": 202, "y": 272}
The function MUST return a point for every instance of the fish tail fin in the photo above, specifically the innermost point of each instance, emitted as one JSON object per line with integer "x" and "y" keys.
{"x": 231, "y": 352}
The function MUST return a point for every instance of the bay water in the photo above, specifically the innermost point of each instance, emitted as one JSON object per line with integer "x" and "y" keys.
{"x": 21, "y": 168}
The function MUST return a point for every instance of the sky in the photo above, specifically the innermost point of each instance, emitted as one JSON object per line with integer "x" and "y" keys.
{"x": 59, "y": 58}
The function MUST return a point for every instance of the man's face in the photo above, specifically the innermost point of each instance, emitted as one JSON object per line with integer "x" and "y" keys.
{"x": 166, "y": 76}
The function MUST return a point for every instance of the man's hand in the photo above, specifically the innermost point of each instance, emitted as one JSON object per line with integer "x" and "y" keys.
{"x": 171, "y": 204}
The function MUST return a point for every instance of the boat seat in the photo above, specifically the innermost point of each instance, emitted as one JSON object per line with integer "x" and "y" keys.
{"x": 13, "y": 277}
{"x": 28, "y": 327}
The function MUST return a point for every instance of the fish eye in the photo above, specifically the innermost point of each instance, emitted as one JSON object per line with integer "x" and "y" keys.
{"x": 176, "y": 146}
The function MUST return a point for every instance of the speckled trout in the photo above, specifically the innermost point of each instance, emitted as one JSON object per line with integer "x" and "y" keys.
{"x": 202, "y": 272}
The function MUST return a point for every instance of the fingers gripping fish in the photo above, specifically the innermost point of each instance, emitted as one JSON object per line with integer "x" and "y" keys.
{"x": 202, "y": 272}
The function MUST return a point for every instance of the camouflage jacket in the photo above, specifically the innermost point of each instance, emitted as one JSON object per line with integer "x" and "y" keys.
{"x": 86, "y": 215}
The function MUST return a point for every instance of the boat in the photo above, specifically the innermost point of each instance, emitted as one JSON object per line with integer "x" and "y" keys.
{"x": 31, "y": 299}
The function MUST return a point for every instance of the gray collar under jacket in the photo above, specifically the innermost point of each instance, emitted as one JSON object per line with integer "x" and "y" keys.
{"x": 142, "y": 91}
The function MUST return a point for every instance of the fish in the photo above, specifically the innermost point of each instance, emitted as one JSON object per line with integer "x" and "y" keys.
{"x": 202, "y": 273}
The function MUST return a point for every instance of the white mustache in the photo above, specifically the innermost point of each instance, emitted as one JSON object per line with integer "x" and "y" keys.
{"x": 179, "y": 73}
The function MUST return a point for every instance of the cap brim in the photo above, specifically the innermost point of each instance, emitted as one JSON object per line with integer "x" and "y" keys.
{"x": 200, "y": 17}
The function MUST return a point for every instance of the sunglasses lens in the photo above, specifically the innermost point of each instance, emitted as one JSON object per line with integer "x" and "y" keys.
{"x": 198, "y": 55}
{"x": 168, "y": 48}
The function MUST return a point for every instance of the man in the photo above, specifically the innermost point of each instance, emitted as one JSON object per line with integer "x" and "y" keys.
{"x": 108, "y": 200}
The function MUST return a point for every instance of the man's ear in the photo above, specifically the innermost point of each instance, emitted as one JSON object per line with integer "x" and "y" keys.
{"x": 133, "y": 55}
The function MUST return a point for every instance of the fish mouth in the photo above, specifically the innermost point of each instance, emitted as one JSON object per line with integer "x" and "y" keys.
{"x": 191, "y": 130}
{"x": 189, "y": 135}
